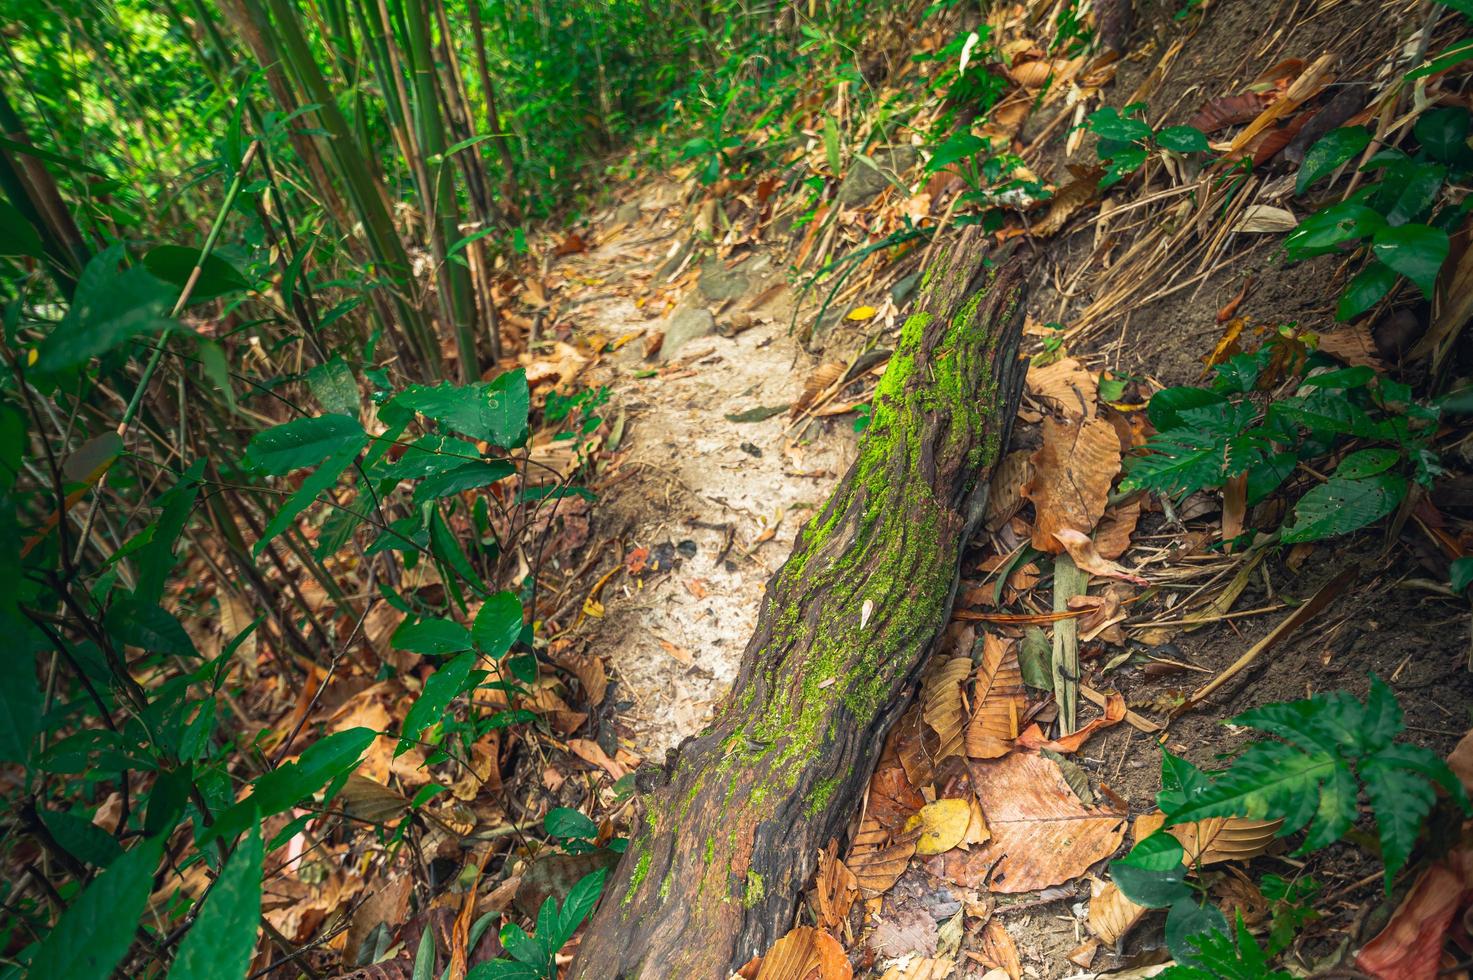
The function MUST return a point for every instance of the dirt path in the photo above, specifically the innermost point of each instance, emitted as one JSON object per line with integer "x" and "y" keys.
{"x": 700, "y": 509}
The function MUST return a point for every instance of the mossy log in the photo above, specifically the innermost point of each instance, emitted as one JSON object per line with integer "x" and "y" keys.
{"x": 714, "y": 872}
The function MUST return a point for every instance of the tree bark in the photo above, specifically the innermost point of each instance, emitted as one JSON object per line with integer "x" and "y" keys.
{"x": 715, "y": 870}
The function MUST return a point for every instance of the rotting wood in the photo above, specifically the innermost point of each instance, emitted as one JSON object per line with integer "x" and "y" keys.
{"x": 730, "y": 835}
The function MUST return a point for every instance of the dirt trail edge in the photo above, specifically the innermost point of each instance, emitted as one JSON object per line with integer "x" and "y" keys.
{"x": 714, "y": 871}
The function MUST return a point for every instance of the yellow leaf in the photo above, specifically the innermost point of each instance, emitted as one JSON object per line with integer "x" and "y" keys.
{"x": 861, "y": 313}
{"x": 943, "y": 824}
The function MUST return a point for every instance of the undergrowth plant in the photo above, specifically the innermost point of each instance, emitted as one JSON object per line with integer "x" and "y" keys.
{"x": 1402, "y": 219}
{"x": 1327, "y": 752}
{"x": 1126, "y": 141}
{"x": 1376, "y": 435}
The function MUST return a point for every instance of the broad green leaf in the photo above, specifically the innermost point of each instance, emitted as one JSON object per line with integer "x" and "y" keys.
{"x": 495, "y": 412}
{"x": 333, "y": 386}
{"x": 1408, "y": 190}
{"x": 1356, "y": 376}
{"x": 17, "y": 237}
{"x": 1330, "y": 151}
{"x": 961, "y": 145}
{"x": 149, "y": 627}
{"x": 431, "y": 637}
{"x": 498, "y": 624}
{"x": 1328, "y": 229}
{"x": 1109, "y": 124}
{"x": 156, "y": 559}
{"x": 305, "y": 442}
{"x": 510, "y": 401}
{"x": 1416, "y": 251}
{"x": 1167, "y": 405}
{"x": 220, "y": 943}
{"x": 1183, "y": 139}
{"x": 1366, "y": 462}
{"x": 1443, "y": 133}
{"x": 1365, "y": 290}
{"x": 1461, "y": 574}
{"x": 1180, "y": 780}
{"x": 108, "y": 308}
{"x": 1153, "y": 873}
{"x": 1342, "y": 505}
{"x": 429, "y": 455}
{"x": 467, "y": 476}
{"x": 582, "y": 897}
{"x": 1185, "y": 921}
{"x": 424, "y": 957}
{"x": 322, "y": 479}
{"x": 94, "y": 933}
{"x": 217, "y": 369}
{"x": 80, "y": 837}
{"x": 174, "y": 264}
{"x": 285, "y": 786}
{"x": 504, "y": 970}
{"x": 1455, "y": 55}
{"x": 20, "y": 694}
{"x": 443, "y": 686}
{"x": 562, "y": 821}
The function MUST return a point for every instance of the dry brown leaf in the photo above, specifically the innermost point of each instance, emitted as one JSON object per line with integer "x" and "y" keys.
{"x": 878, "y": 860}
{"x": 818, "y": 382}
{"x": 1072, "y": 473}
{"x": 1354, "y": 345}
{"x": 588, "y": 668}
{"x": 942, "y": 825}
{"x": 912, "y": 750}
{"x": 1066, "y": 386}
{"x": 1227, "y": 110}
{"x": 1113, "y": 533}
{"x": 1410, "y": 947}
{"x": 922, "y": 969}
{"x": 1111, "y": 914}
{"x": 941, "y": 702}
{"x": 1082, "y": 550}
{"x": 1075, "y": 194}
{"x": 977, "y": 832}
{"x": 1306, "y": 86}
{"x": 592, "y": 753}
{"x": 996, "y": 949}
{"x": 892, "y": 798}
{"x": 999, "y": 700}
{"x": 1460, "y": 761}
{"x": 834, "y": 889}
{"x": 1033, "y": 739}
{"x": 1005, "y": 492}
{"x": 1215, "y": 839}
{"x": 806, "y": 953}
{"x": 1041, "y": 834}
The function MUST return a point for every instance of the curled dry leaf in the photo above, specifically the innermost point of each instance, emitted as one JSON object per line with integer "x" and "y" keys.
{"x": 1410, "y": 947}
{"x": 1215, "y": 839}
{"x": 1073, "y": 470}
{"x": 1041, "y": 834}
{"x": 1082, "y": 550}
{"x": 1111, "y": 914}
{"x": 1075, "y": 194}
{"x": 1066, "y": 386}
{"x": 818, "y": 382}
{"x": 996, "y": 949}
{"x": 1227, "y": 110}
{"x": 834, "y": 889}
{"x": 1033, "y": 739}
{"x": 806, "y": 953}
{"x": 999, "y": 700}
{"x": 941, "y": 702}
{"x": 1005, "y": 492}
{"x": 877, "y": 859}
{"x": 1113, "y": 534}
{"x": 941, "y": 825}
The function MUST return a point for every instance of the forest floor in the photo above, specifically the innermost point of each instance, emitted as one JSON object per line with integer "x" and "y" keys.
{"x": 712, "y": 475}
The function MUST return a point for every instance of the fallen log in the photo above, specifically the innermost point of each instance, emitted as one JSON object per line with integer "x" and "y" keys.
{"x": 715, "y": 869}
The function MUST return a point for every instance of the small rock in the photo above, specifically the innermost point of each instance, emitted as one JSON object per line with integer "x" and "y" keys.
{"x": 627, "y": 214}
{"x": 719, "y": 283}
{"x": 751, "y": 450}
{"x": 863, "y": 181}
{"x": 685, "y": 326}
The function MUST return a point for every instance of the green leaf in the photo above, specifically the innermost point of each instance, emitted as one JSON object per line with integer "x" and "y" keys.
{"x": 1416, "y": 251}
{"x": 80, "y": 837}
{"x": 1408, "y": 190}
{"x": 333, "y": 386}
{"x": 20, "y": 698}
{"x": 582, "y": 897}
{"x": 285, "y": 786}
{"x": 429, "y": 455}
{"x": 1166, "y": 406}
{"x": 1183, "y": 139}
{"x": 324, "y": 478}
{"x": 1185, "y": 921}
{"x": 442, "y": 687}
{"x": 431, "y": 637}
{"x": 108, "y": 308}
{"x": 305, "y": 442}
{"x": 424, "y": 957}
{"x": 94, "y": 933}
{"x": 1340, "y": 506}
{"x": 562, "y": 821}
{"x": 149, "y": 627}
{"x": 1399, "y": 781}
{"x": 1461, "y": 574}
{"x": 17, "y": 237}
{"x": 1331, "y": 151}
{"x": 961, "y": 145}
{"x": 1180, "y": 781}
{"x": 1365, "y": 290}
{"x": 498, "y": 624}
{"x": 217, "y": 369}
{"x": 1367, "y": 462}
{"x": 1109, "y": 124}
{"x": 223, "y": 937}
{"x": 1443, "y": 133}
{"x": 467, "y": 476}
{"x": 174, "y": 264}
{"x": 510, "y": 401}
{"x": 495, "y": 412}
{"x": 1153, "y": 873}
{"x": 1327, "y": 229}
